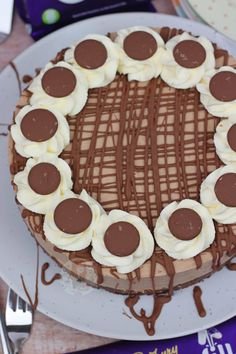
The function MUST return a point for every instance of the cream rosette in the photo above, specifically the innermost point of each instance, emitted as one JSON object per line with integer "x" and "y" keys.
{"x": 70, "y": 104}
{"x": 214, "y": 106}
{"x": 104, "y": 74}
{"x": 220, "y": 212}
{"x": 223, "y": 148}
{"x": 41, "y": 203}
{"x": 75, "y": 241}
{"x": 178, "y": 76}
{"x": 53, "y": 146}
{"x": 140, "y": 70}
{"x": 123, "y": 264}
{"x": 179, "y": 248}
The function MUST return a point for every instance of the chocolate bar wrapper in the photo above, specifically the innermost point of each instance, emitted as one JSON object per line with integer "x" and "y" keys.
{"x": 45, "y": 16}
{"x": 220, "y": 339}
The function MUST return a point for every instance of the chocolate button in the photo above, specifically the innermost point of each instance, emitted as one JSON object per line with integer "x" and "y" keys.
{"x": 72, "y": 216}
{"x": 44, "y": 178}
{"x": 189, "y": 54}
{"x": 39, "y": 125}
{"x": 231, "y": 137}
{"x": 121, "y": 239}
{"x": 90, "y": 54}
{"x": 223, "y": 86}
{"x": 185, "y": 224}
{"x": 225, "y": 189}
{"x": 140, "y": 45}
{"x": 58, "y": 82}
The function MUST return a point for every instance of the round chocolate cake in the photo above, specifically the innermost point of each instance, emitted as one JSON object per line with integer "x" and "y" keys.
{"x": 141, "y": 153}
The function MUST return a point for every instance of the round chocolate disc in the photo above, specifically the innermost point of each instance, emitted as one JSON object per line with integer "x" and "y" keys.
{"x": 44, "y": 178}
{"x": 231, "y": 137}
{"x": 189, "y": 54}
{"x": 72, "y": 216}
{"x": 140, "y": 45}
{"x": 121, "y": 239}
{"x": 39, "y": 125}
{"x": 223, "y": 86}
{"x": 185, "y": 224}
{"x": 58, "y": 82}
{"x": 225, "y": 189}
{"x": 90, "y": 54}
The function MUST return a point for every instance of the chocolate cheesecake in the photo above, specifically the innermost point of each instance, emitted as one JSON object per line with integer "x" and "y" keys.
{"x": 135, "y": 146}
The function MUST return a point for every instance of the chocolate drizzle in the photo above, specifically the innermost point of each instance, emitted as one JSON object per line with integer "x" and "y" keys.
{"x": 44, "y": 281}
{"x": 197, "y": 295}
{"x": 13, "y": 66}
{"x": 148, "y": 321}
{"x": 33, "y": 301}
{"x": 231, "y": 266}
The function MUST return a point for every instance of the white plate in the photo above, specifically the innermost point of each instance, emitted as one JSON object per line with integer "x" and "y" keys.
{"x": 91, "y": 310}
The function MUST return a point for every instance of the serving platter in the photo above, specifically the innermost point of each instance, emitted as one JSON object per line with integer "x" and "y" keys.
{"x": 73, "y": 303}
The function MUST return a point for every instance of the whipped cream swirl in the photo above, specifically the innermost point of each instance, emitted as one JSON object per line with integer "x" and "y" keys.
{"x": 178, "y": 76}
{"x": 128, "y": 263}
{"x": 183, "y": 249}
{"x": 73, "y": 242}
{"x": 223, "y": 149}
{"x": 71, "y": 104}
{"x": 220, "y": 212}
{"x": 40, "y": 203}
{"x": 105, "y": 73}
{"x": 52, "y": 146}
{"x": 140, "y": 70}
{"x": 214, "y": 106}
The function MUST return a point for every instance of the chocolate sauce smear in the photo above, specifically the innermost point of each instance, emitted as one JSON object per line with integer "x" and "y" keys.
{"x": 33, "y": 301}
{"x": 44, "y": 281}
{"x": 148, "y": 321}
{"x": 90, "y": 54}
{"x": 231, "y": 266}
{"x": 197, "y": 295}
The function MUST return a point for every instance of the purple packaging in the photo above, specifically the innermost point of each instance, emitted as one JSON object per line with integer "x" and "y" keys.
{"x": 45, "y": 16}
{"x": 217, "y": 340}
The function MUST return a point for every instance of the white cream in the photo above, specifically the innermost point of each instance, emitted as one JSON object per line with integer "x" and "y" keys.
{"x": 36, "y": 202}
{"x": 212, "y": 105}
{"x": 71, "y": 104}
{"x": 52, "y": 146}
{"x": 140, "y": 70}
{"x": 223, "y": 149}
{"x": 179, "y": 77}
{"x": 175, "y": 247}
{"x": 220, "y": 212}
{"x": 124, "y": 264}
{"x": 75, "y": 242}
{"x": 106, "y": 73}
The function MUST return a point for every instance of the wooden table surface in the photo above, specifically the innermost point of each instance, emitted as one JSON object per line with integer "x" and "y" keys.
{"x": 49, "y": 336}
